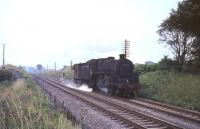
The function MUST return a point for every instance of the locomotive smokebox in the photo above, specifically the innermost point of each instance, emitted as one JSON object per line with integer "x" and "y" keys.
{"x": 122, "y": 56}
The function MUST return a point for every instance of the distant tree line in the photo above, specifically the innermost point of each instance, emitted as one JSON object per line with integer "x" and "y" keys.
{"x": 181, "y": 33}
{"x": 165, "y": 64}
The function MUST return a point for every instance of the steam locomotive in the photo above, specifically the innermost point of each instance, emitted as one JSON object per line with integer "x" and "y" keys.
{"x": 108, "y": 75}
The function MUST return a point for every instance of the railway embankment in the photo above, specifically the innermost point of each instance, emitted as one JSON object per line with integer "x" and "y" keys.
{"x": 86, "y": 115}
{"x": 125, "y": 113}
{"x": 179, "y": 89}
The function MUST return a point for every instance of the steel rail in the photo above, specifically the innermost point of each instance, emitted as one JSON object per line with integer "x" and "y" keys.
{"x": 166, "y": 123}
{"x": 172, "y": 110}
{"x": 116, "y": 116}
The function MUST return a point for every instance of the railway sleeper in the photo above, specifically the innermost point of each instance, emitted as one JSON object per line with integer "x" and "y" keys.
{"x": 127, "y": 117}
{"x": 136, "y": 119}
{"x": 147, "y": 122}
{"x": 127, "y": 126}
{"x": 114, "y": 110}
{"x": 153, "y": 126}
{"x": 160, "y": 128}
{"x": 122, "y": 113}
{"x": 134, "y": 116}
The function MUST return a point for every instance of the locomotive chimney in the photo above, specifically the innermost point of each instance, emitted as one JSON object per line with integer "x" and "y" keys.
{"x": 122, "y": 56}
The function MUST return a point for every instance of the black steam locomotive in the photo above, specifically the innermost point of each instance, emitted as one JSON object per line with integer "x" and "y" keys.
{"x": 108, "y": 75}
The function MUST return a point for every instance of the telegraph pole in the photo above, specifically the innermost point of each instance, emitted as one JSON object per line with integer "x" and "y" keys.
{"x": 126, "y": 48}
{"x": 47, "y": 67}
{"x": 3, "y": 67}
{"x": 55, "y": 66}
{"x": 71, "y": 64}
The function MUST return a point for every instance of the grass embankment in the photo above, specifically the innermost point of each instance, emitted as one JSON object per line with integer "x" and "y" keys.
{"x": 23, "y": 106}
{"x": 174, "y": 88}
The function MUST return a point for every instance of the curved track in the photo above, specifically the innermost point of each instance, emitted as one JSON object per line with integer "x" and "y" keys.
{"x": 165, "y": 108}
{"x": 119, "y": 112}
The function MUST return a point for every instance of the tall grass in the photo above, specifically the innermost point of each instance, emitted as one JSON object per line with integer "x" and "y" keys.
{"x": 175, "y": 88}
{"x": 23, "y": 106}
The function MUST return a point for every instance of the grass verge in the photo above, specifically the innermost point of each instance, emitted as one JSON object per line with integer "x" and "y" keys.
{"x": 23, "y": 106}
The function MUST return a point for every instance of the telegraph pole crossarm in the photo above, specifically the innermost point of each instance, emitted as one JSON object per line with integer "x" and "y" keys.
{"x": 126, "y": 48}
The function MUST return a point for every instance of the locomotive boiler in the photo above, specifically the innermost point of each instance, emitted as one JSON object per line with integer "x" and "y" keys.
{"x": 108, "y": 75}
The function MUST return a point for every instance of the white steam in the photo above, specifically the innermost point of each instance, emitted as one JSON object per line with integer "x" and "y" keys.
{"x": 73, "y": 85}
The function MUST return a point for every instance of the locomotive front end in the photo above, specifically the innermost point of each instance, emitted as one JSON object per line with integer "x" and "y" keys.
{"x": 126, "y": 81}
{"x": 127, "y": 86}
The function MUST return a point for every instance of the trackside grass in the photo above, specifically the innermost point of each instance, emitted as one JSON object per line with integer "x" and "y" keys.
{"x": 179, "y": 89}
{"x": 23, "y": 106}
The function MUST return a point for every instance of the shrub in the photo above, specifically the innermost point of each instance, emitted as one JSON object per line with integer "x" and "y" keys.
{"x": 5, "y": 75}
{"x": 175, "y": 88}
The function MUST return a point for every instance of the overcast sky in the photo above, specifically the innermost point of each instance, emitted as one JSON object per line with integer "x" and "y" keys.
{"x": 48, "y": 31}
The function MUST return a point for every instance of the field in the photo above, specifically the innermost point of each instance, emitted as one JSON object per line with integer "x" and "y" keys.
{"x": 178, "y": 89}
{"x": 24, "y": 106}
{"x": 68, "y": 73}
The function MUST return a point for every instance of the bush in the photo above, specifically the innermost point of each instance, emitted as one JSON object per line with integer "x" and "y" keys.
{"x": 143, "y": 68}
{"x": 174, "y": 88}
{"x": 5, "y": 75}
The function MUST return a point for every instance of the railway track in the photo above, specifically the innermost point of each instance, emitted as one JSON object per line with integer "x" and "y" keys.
{"x": 193, "y": 116}
{"x": 176, "y": 113}
{"x": 168, "y": 109}
{"x": 172, "y": 110}
{"x": 129, "y": 117}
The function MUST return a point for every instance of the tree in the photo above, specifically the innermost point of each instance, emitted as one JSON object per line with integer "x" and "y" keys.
{"x": 186, "y": 19}
{"x": 39, "y": 67}
{"x": 196, "y": 51}
{"x": 166, "y": 63}
{"x": 180, "y": 43}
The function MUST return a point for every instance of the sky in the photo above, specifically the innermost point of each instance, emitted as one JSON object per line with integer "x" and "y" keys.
{"x": 48, "y": 31}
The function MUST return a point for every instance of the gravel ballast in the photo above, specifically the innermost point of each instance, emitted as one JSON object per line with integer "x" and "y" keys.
{"x": 94, "y": 119}
{"x": 88, "y": 117}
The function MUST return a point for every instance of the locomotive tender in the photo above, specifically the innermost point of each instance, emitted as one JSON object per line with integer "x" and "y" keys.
{"x": 108, "y": 75}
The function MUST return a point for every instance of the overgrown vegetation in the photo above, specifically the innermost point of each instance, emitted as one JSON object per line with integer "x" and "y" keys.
{"x": 23, "y": 106}
{"x": 11, "y": 73}
{"x": 5, "y": 75}
{"x": 173, "y": 88}
{"x": 176, "y": 81}
{"x": 66, "y": 73}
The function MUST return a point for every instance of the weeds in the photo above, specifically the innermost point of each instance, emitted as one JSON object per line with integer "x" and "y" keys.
{"x": 23, "y": 106}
